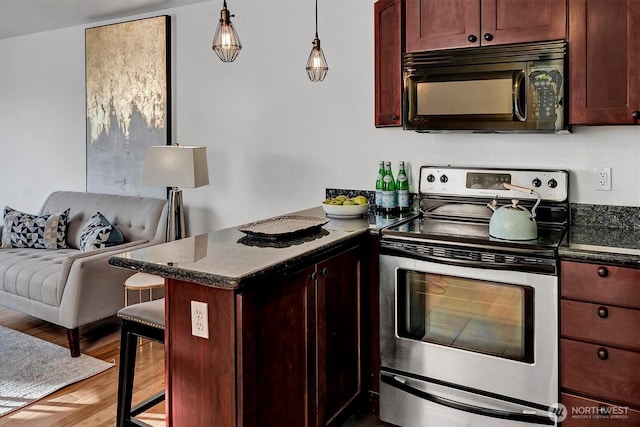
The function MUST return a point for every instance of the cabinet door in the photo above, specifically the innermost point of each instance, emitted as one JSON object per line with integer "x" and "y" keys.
{"x": 276, "y": 353}
{"x": 600, "y": 284}
{"x": 437, "y": 24}
{"x": 518, "y": 21}
{"x": 604, "y": 62}
{"x": 389, "y": 37}
{"x": 601, "y": 371}
{"x": 338, "y": 323}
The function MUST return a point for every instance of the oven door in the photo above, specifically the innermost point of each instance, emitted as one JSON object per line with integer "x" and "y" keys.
{"x": 494, "y": 332}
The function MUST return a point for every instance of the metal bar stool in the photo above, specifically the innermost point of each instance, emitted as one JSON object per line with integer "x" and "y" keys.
{"x": 142, "y": 282}
{"x": 144, "y": 320}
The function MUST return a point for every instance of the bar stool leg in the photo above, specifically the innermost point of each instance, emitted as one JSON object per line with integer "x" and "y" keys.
{"x": 128, "y": 350}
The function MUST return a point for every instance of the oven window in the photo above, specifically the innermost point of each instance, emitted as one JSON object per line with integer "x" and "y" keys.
{"x": 475, "y": 315}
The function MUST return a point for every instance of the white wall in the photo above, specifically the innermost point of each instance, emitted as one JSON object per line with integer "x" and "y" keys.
{"x": 274, "y": 139}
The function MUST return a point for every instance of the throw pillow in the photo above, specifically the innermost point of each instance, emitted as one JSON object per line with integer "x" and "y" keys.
{"x": 22, "y": 230}
{"x": 99, "y": 233}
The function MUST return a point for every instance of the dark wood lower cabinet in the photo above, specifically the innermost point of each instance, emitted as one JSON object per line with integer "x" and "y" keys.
{"x": 338, "y": 320}
{"x": 601, "y": 371}
{"x": 599, "y": 345}
{"x": 276, "y": 326}
{"x": 285, "y": 352}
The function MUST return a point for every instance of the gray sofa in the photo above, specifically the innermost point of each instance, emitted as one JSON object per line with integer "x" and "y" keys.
{"x": 69, "y": 287}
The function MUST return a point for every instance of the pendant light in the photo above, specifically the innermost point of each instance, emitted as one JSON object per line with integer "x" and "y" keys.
{"x": 226, "y": 42}
{"x": 317, "y": 64}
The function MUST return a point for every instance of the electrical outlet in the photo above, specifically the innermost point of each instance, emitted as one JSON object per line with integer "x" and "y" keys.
{"x": 199, "y": 319}
{"x": 603, "y": 178}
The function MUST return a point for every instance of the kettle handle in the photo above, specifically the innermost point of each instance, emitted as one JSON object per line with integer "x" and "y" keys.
{"x": 519, "y": 188}
{"x": 525, "y": 190}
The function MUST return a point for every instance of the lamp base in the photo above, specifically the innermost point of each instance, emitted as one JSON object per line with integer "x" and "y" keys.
{"x": 175, "y": 221}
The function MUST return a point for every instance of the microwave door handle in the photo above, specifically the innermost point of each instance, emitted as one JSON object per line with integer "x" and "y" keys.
{"x": 517, "y": 87}
{"x": 488, "y": 412}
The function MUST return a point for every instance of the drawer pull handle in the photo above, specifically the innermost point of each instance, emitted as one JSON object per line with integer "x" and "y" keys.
{"x": 603, "y": 354}
{"x": 603, "y": 312}
{"x": 603, "y": 272}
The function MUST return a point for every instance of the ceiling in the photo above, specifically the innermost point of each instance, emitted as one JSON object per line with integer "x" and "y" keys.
{"x": 20, "y": 17}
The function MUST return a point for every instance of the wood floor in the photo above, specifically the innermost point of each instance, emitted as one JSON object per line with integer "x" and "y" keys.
{"x": 92, "y": 402}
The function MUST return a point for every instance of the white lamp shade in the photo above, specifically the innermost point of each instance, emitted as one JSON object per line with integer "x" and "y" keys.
{"x": 175, "y": 166}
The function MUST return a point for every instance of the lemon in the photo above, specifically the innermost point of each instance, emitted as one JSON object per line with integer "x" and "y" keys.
{"x": 360, "y": 200}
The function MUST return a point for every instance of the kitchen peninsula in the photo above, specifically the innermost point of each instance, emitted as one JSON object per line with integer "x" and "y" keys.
{"x": 283, "y": 324}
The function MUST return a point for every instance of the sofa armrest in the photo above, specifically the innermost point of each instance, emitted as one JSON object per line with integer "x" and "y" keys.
{"x": 94, "y": 288}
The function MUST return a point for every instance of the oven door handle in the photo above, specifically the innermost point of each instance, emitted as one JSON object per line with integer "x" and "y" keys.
{"x": 495, "y": 413}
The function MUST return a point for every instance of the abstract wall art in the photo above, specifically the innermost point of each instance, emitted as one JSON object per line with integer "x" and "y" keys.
{"x": 128, "y": 102}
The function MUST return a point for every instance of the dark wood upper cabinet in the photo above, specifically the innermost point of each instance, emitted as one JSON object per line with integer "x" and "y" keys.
{"x": 604, "y": 62}
{"x": 389, "y": 45}
{"x": 437, "y": 24}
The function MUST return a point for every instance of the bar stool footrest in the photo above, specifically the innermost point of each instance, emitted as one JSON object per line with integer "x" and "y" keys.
{"x": 147, "y": 404}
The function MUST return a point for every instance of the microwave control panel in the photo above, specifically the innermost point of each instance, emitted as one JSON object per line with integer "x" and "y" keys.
{"x": 545, "y": 95}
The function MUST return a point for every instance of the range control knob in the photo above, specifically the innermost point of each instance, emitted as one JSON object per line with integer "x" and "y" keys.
{"x": 431, "y": 178}
{"x": 552, "y": 183}
{"x": 536, "y": 182}
{"x": 444, "y": 179}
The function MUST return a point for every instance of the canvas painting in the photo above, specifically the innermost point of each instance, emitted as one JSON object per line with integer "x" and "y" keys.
{"x": 128, "y": 103}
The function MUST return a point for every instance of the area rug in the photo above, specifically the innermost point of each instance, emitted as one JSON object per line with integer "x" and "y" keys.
{"x": 31, "y": 369}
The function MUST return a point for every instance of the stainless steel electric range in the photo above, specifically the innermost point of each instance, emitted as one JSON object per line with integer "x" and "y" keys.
{"x": 469, "y": 321}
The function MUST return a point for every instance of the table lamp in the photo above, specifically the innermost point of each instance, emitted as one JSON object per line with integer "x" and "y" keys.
{"x": 175, "y": 166}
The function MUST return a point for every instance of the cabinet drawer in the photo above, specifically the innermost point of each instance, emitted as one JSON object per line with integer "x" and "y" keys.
{"x": 600, "y": 283}
{"x": 582, "y": 412}
{"x": 601, "y": 323}
{"x": 616, "y": 377}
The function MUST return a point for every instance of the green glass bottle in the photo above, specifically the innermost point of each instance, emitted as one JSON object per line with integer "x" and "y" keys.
{"x": 379, "y": 186}
{"x": 402, "y": 189}
{"x": 388, "y": 189}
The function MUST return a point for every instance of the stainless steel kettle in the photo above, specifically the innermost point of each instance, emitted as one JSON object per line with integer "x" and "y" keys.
{"x": 513, "y": 222}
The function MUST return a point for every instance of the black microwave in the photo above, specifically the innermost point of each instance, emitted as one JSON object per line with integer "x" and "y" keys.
{"x": 503, "y": 88}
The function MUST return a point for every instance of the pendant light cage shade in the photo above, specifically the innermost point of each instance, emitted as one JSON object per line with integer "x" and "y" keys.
{"x": 226, "y": 43}
{"x": 317, "y": 64}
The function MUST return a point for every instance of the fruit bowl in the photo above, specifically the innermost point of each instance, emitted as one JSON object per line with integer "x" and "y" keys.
{"x": 345, "y": 211}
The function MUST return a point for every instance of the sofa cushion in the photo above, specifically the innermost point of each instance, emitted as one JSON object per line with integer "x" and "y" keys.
{"x": 99, "y": 233}
{"x": 35, "y": 274}
{"x": 22, "y": 230}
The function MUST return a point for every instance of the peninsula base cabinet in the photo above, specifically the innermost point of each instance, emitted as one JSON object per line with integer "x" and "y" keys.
{"x": 600, "y": 344}
{"x": 286, "y": 352}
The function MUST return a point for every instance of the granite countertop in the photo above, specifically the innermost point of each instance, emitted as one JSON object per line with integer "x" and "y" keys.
{"x": 601, "y": 233}
{"x": 230, "y": 258}
{"x": 602, "y": 244}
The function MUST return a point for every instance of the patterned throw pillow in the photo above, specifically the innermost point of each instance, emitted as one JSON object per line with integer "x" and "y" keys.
{"x": 99, "y": 233}
{"x": 21, "y": 230}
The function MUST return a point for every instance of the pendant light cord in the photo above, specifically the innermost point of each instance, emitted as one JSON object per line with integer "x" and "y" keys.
{"x": 316, "y": 18}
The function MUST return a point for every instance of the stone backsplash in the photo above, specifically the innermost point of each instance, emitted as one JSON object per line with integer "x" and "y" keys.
{"x": 627, "y": 217}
